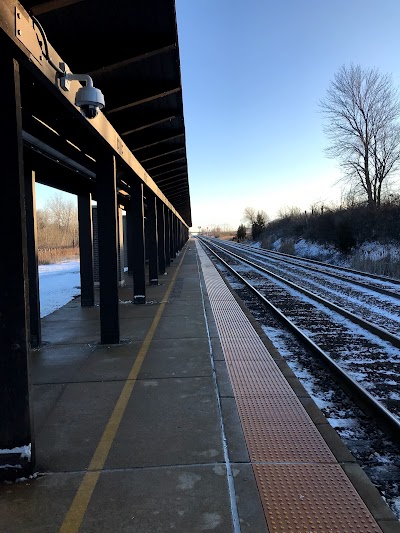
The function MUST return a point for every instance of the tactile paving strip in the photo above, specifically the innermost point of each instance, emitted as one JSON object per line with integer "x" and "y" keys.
{"x": 302, "y": 487}
{"x": 312, "y": 498}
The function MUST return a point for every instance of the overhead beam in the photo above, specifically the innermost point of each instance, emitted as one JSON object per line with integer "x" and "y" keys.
{"x": 142, "y": 101}
{"x": 165, "y": 139}
{"x": 163, "y": 154}
{"x": 141, "y": 57}
{"x": 169, "y": 171}
{"x": 53, "y": 174}
{"x": 174, "y": 186}
{"x": 53, "y": 5}
{"x": 171, "y": 177}
{"x": 148, "y": 125}
{"x": 180, "y": 187}
{"x": 38, "y": 133}
{"x": 168, "y": 163}
{"x": 178, "y": 193}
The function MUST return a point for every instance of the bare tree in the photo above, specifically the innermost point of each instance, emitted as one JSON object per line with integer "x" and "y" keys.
{"x": 249, "y": 215}
{"x": 57, "y": 223}
{"x": 289, "y": 212}
{"x": 61, "y": 211}
{"x": 361, "y": 111}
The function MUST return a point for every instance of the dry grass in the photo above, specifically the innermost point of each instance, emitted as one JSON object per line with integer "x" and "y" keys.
{"x": 287, "y": 247}
{"x": 385, "y": 266}
{"x": 49, "y": 256}
{"x": 225, "y": 235}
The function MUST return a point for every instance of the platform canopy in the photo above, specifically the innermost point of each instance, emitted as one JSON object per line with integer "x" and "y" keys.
{"x": 130, "y": 49}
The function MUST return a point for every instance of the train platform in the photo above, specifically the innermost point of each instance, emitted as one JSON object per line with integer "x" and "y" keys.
{"x": 192, "y": 423}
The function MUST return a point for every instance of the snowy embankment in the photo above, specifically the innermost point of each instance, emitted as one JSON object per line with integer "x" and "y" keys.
{"x": 58, "y": 285}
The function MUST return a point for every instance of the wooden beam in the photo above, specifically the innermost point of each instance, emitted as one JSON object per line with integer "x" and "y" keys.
{"x": 131, "y": 60}
{"x": 148, "y": 125}
{"x": 168, "y": 163}
{"x": 52, "y": 5}
{"x": 171, "y": 177}
{"x": 163, "y": 154}
{"x": 142, "y": 101}
{"x": 169, "y": 171}
{"x": 165, "y": 139}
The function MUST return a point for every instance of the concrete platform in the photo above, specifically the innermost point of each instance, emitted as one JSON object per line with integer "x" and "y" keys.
{"x": 165, "y": 467}
{"x": 145, "y": 436}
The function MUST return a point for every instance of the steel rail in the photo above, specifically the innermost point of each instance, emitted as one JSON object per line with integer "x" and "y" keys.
{"x": 385, "y": 279}
{"x": 358, "y": 393}
{"x": 292, "y": 260}
{"x": 295, "y": 261}
{"x": 376, "y": 330}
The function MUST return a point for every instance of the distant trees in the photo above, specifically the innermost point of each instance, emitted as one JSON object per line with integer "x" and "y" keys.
{"x": 241, "y": 232}
{"x": 258, "y": 225}
{"x": 257, "y": 220}
{"x": 361, "y": 109}
{"x": 57, "y": 223}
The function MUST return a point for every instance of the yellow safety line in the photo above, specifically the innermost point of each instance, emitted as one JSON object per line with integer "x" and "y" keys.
{"x": 74, "y": 517}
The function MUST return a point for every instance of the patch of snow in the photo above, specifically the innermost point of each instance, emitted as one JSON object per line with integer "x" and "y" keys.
{"x": 24, "y": 451}
{"x": 58, "y": 285}
{"x": 313, "y": 250}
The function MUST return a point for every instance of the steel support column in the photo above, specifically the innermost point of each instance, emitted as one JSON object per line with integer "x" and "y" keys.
{"x": 33, "y": 273}
{"x": 172, "y": 235}
{"x": 167, "y": 237}
{"x": 137, "y": 243}
{"x": 129, "y": 239}
{"x": 152, "y": 233}
{"x": 176, "y": 229}
{"x": 161, "y": 237}
{"x": 16, "y": 427}
{"x": 180, "y": 240}
{"x": 86, "y": 249}
{"x": 108, "y": 247}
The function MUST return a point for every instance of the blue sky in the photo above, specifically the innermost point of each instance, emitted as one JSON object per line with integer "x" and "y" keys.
{"x": 253, "y": 73}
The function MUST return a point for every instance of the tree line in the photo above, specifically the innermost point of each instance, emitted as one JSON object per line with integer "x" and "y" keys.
{"x": 361, "y": 112}
{"x": 57, "y": 224}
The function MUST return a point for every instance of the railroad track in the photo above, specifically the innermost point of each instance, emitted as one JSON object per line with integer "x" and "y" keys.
{"x": 361, "y": 351}
{"x": 380, "y": 284}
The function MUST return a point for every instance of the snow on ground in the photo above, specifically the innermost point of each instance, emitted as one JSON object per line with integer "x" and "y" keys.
{"x": 58, "y": 285}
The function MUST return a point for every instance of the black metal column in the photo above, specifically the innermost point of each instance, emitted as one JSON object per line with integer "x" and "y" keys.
{"x": 137, "y": 243}
{"x": 175, "y": 235}
{"x": 129, "y": 238}
{"x": 86, "y": 249}
{"x": 172, "y": 235}
{"x": 152, "y": 248}
{"x": 33, "y": 273}
{"x": 161, "y": 237}
{"x": 180, "y": 240}
{"x": 167, "y": 237}
{"x": 16, "y": 426}
{"x": 108, "y": 247}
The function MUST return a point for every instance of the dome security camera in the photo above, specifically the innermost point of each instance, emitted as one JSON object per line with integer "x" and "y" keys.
{"x": 89, "y": 99}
